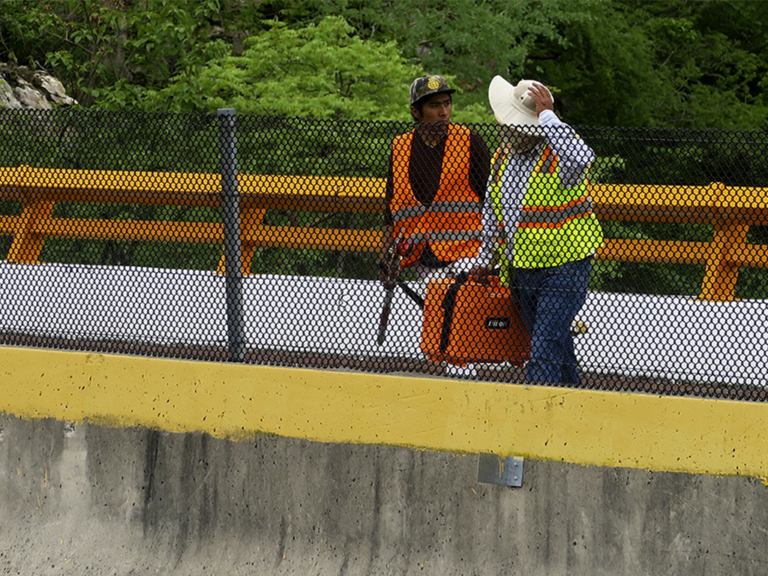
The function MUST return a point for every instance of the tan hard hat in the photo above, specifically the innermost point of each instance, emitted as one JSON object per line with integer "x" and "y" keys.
{"x": 513, "y": 105}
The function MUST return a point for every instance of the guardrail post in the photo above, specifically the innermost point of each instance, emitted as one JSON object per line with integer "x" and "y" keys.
{"x": 722, "y": 271}
{"x": 727, "y": 249}
{"x": 37, "y": 211}
{"x": 230, "y": 206}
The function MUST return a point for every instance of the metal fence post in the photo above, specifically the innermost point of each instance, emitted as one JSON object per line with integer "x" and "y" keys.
{"x": 230, "y": 205}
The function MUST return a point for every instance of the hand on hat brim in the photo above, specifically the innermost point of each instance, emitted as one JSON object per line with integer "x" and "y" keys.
{"x": 542, "y": 97}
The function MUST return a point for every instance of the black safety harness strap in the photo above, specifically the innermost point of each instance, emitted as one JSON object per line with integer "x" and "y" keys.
{"x": 449, "y": 302}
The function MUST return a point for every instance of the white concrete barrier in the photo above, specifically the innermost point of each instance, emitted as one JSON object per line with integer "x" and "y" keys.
{"x": 673, "y": 337}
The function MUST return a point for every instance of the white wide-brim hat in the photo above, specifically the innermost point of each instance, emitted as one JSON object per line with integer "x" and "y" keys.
{"x": 513, "y": 105}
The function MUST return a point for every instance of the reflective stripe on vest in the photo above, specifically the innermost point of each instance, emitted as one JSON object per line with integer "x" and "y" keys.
{"x": 443, "y": 207}
{"x": 553, "y": 217}
{"x": 452, "y": 223}
{"x": 556, "y": 224}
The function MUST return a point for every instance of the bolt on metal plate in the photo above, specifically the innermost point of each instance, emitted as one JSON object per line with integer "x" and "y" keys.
{"x": 493, "y": 469}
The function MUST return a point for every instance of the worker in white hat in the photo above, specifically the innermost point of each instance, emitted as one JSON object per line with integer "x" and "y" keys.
{"x": 540, "y": 205}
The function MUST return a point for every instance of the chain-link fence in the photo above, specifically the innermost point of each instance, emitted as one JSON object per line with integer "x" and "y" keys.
{"x": 354, "y": 240}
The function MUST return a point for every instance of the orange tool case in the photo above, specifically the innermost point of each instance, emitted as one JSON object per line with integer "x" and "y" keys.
{"x": 466, "y": 322}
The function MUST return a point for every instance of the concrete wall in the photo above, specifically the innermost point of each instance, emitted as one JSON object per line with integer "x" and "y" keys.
{"x": 107, "y": 501}
{"x": 185, "y": 468}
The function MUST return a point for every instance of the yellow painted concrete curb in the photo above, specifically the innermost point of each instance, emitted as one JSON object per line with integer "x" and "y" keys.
{"x": 241, "y": 401}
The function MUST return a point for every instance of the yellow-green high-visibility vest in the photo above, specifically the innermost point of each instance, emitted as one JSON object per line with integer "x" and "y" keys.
{"x": 556, "y": 224}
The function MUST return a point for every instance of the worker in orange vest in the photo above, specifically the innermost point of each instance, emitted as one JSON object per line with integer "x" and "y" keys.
{"x": 436, "y": 187}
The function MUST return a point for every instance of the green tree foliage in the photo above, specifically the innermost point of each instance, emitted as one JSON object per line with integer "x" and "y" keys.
{"x": 665, "y": 63}
{"x": 713, "y": 54}
{"x": 111, "y": 51}
{"x": 661, "y": 64}
{"x": 318, "y": 71}
{"x": 471, "y": 41}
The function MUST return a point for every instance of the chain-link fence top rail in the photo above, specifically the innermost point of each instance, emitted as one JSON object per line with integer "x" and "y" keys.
{"x": 117, "y": 228}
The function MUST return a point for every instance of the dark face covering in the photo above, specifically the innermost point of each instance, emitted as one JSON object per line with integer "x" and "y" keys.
{"x": 519, "y": 139}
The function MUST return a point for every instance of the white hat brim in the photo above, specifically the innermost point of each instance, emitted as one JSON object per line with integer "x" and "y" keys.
{"x": 507, "y": 109}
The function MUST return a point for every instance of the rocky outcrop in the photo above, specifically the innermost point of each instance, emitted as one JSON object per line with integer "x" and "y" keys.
{"x": 22, "y": 87}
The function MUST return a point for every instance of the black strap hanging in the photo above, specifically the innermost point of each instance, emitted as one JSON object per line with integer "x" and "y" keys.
{"x": 449, "y": 301}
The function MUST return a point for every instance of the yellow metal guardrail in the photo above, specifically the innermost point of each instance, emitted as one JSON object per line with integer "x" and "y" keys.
{"x": 730, "y": 210}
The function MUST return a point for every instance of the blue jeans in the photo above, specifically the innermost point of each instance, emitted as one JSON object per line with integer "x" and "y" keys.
{"x": 550, "y": 298}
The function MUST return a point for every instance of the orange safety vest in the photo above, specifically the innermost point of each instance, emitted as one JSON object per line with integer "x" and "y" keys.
{"x": 452, "y": 224}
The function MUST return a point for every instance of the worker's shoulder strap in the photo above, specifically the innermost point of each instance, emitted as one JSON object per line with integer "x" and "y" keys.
{"x": 449, "y": 302}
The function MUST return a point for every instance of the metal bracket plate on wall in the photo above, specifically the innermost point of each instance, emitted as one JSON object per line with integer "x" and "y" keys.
{"x": 492, "y": 469}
